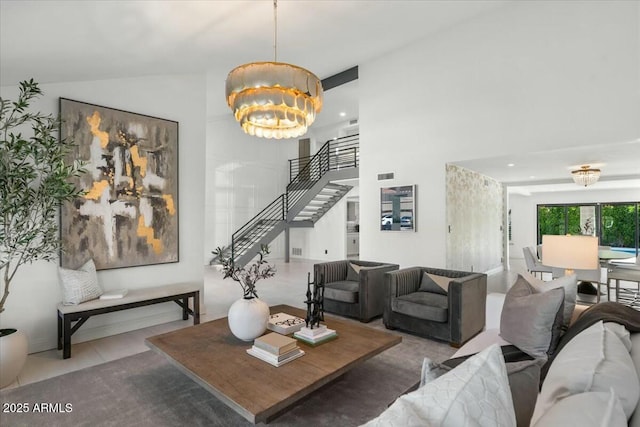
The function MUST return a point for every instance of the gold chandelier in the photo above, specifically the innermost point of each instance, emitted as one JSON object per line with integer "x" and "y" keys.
{"x": 585, "y": 175}
{"x": 274, "y": 99}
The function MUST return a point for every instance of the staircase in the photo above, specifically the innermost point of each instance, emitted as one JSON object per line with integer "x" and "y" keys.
{"x": 311, "y": 193}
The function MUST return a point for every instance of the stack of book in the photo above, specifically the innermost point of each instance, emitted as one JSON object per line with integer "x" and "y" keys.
{"x": 275, "y": 349}
{"x": 317, "y": 335}
{"x": 284, "y": 323}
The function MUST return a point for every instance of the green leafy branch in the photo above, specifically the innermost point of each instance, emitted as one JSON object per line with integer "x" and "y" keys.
{"x": 34, "y": 182}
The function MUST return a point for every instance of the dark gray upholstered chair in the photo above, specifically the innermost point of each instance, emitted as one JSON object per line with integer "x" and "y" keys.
{"x": 455, "y": 317}
{"x": 348, "y": 293}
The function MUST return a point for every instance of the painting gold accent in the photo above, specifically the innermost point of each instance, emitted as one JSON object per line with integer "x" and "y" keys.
{"x": 139, "y": 161}
{"x": 94, "y": 123}
{"x": 96, "y": 190}
{"x": 170, "y": 206}
{"x": 148, "y": 233}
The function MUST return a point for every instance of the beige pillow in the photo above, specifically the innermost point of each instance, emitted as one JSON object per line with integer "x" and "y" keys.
{"x": 530, "y": 320}
{"x": 594, "y": 360}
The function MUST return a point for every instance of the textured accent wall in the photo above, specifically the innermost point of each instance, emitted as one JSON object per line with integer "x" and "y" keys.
{"x": 474, "y": 220}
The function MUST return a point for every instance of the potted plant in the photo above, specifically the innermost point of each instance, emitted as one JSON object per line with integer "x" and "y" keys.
{"x": 34, "y": 182}
{"x": 248, "y": 317}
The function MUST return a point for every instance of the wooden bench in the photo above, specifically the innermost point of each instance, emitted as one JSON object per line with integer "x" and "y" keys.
{"x": 178, "y": 293}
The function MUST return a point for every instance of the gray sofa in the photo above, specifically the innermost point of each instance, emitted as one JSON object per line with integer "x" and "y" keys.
{"x": 359, "y": 294}
{"x": 455, "y": 315}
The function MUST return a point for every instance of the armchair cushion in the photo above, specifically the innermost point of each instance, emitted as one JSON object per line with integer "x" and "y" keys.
{"x": 343, "y": 290}
{"x": 435, "y": 284}
{"x": 423, "y": 305}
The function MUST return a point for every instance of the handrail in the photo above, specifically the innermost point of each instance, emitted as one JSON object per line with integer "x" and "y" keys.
{"x": 275, "y": 211}
{"x": 333, "y": 155}
{"x": 296, "y": 165}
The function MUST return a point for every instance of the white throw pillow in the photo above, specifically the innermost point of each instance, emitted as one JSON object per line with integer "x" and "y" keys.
{"x": 570, "y": 286}
{"x": 79, "y": 285}
{"x": 591, "y": 409}
{"x": 594, "y": 360}
{"x": 474, "y": 393}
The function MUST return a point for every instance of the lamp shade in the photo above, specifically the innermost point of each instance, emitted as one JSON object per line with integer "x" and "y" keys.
{"x": 570, "y": 252}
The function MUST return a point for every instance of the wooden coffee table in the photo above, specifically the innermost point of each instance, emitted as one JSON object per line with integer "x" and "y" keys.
{"x": 210, "y": 355}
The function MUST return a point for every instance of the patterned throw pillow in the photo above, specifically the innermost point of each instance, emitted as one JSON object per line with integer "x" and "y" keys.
{"x": 79, "y": 285}
{"x": 474, "y": 393}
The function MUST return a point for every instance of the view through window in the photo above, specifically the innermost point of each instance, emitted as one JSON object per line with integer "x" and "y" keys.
{"x": 615, "y": 224}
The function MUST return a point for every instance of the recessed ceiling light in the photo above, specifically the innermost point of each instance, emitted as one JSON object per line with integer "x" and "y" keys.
{"x": 342, "y": 114}
{"x": 511, "y": 165}
{"x": 532, "y": 177}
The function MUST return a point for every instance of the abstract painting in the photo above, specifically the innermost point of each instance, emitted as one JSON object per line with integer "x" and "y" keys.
{"x": 128, "y": 215}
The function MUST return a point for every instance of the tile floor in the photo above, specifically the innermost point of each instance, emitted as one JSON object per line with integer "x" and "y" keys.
{"x": 287, "y": 287}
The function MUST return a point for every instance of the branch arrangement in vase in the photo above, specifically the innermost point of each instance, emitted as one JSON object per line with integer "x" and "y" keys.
{"x": 246, "y": 276}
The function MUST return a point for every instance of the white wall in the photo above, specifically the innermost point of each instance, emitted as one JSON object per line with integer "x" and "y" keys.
{"x": 35, "y": 291}
{"x": 528, "y": 76}
{"x": 524, "y": 211}
{"x": 243, "y": 175}
{"x": 328, "y": 234}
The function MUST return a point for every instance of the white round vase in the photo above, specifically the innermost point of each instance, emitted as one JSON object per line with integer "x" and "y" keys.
{"x": 13, "y": 354}
{"x": 248, "y": 318}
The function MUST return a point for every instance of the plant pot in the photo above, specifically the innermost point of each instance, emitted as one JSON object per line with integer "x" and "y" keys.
{"x": 248, "y": 318}
{"x": 13, "y": 354}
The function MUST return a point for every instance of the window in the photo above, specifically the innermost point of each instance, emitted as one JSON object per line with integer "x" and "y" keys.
{"x": 616, "y": 224}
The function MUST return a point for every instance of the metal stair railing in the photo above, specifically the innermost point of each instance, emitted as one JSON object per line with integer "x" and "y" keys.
{"x": 335, "y": 154}
{"x": 244, "y": 238}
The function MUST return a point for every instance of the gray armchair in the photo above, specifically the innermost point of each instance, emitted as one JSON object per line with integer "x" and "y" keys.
{"x": 352, "y": 293}
{"x": 455, "y": 315}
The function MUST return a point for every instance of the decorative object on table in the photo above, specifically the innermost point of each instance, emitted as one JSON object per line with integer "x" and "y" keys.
{"x": 275, "y": 349}
{"x": 249, "y": 316}
{"x": 129, "y": 213}
{"x": 275, "y": 343}
{"x": 313, "y": 332}
{"x": 284, "y": 323}
{"x": 315, "y": 302}
{"x": 585, "y": 175}
{"x": 398, "y": 208}
{"x": 316, "y": 336}
{"x": 274, "y": 99}
{"x": 34, "y": 181}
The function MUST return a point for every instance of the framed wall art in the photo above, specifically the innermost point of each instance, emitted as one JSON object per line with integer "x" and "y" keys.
{"x": 128, "y": 215}
{"x": 398, "y": 208}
